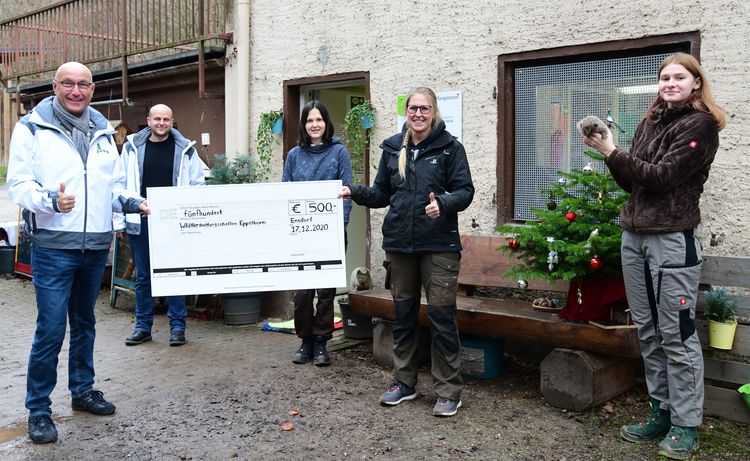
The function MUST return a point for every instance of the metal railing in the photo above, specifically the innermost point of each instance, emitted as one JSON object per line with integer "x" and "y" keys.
{"x": 105, "y": 34}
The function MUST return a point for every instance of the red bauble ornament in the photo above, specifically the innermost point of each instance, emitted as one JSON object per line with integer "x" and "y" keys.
{"x": 513, "y": 244}
{"x": 595, "y": 263}
{"x": 570, "y": 216}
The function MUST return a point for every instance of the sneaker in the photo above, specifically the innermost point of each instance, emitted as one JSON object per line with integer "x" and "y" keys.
{"x": 322, "y": 359}
{"x": 305, "y": 351}
{"x": 397, "y": 392}
{"x": 446, "y": 407}
{"x": 137, "y": 337}
{"x": 93, "y": 402}
{"x": 680, "y": 442}
{"x": 177, "y": 338}
{"x": 42, "y": 429}
{"x": 656, "y": 426}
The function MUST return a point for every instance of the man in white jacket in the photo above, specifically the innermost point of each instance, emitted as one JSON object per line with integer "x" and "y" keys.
{"x": 64, "y": 170}
{"x": 156, "y": 156}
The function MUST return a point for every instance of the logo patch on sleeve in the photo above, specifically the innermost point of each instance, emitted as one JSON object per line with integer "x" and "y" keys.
{"x": 693, "y": 144}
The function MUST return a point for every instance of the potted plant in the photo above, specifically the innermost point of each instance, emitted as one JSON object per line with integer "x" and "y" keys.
{"x": 721, "y": 312}
{"x": 358, "y": 131}
{"x": 270, "y": 125}
{"x": 574, "y": 238}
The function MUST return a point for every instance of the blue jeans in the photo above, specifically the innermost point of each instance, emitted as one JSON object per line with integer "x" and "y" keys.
{"x": 67, "y": 284}
{"x": 144, "y": 302}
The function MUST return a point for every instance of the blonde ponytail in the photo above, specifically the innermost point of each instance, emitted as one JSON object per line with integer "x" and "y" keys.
{"x": 402, "y": 154}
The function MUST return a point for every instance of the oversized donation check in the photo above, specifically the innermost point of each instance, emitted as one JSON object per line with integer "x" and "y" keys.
{"x": 246, "y": 237}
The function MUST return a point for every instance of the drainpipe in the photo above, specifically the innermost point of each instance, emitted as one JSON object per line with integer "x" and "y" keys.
{"x": 242, "y": 41}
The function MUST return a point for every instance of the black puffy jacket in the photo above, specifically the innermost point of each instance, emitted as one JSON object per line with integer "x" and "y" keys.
{"x": 441, "y": 167}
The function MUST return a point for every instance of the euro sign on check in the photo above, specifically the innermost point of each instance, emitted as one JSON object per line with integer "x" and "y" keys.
{"x": 246, "y": 238}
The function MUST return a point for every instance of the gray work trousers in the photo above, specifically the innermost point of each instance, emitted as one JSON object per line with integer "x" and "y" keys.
{"x": 662, "y": 272}
{"x": 437, "y": 273}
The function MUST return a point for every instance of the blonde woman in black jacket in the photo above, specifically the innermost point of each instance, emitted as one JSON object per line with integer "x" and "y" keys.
{"x": 424, "y": 178}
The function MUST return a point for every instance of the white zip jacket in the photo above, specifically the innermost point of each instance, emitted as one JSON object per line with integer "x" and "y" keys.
{"x": 187, "y": 171}
{"x": 42, "y": 156}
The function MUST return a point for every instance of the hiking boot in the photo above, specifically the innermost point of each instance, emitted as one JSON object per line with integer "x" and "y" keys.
{"x": 305, "y": 351}
{"x": 322, "y": 359}
{"x": 446, "y": 407}
{"x": 397, "y": 392}
{"x": 137, "y": 337}
{"x": 93, "y": 402}
{"x": 680, "y": 442}
{"x": 42, "y": 429}
{"x": 656, "y": 426}
{"x": 177, "y": 338}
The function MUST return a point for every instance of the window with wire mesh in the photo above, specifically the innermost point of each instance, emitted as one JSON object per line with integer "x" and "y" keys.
{"x": 551, "y": 99}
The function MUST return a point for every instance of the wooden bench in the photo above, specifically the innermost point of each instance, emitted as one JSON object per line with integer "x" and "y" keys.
{"x": 482, "y": 265}
{"x": 591, "y": 364}
{"x": 594, "y": 363}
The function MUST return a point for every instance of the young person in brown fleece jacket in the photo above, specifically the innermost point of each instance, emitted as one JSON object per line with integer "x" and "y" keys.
{"x": 672, "y": 151}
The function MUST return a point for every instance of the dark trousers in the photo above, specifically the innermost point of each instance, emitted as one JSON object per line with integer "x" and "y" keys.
{"x": 437, "y": 273}
{"x": 314, "y": 322}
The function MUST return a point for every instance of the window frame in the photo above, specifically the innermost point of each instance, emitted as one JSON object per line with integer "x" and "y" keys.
{"x": 687, "y": 42}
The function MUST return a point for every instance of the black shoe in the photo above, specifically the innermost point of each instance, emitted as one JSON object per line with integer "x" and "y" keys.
{"x": 322, "y": 359}
{"x": 305, "y": 351}
{"x": 93, "y": 402}
{"x": 137, "y": 337}
{"x": 42, "y": 429}
{"x": 177, "y": 338}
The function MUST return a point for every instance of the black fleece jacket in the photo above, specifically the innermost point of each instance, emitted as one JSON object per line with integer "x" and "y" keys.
{"x": 440, "y": 166}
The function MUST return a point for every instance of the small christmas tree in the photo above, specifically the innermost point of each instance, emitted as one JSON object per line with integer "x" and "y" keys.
{"x": 577, "y": 235}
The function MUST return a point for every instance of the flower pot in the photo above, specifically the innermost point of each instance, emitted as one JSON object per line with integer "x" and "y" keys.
{"x": 241, "y": 308}
{"x": 367, "y": 121}
{"x": 745, "y": 393}
{"x": 7, "y": 259}
{"x": 277, "y": 126}
{"x": 720, "y": 334}
{"x": 356, "y": 326}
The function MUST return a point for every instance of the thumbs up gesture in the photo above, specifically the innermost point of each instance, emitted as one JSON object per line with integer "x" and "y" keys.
{"x": 65, "y": 202}
{"x": 432, "y": 209}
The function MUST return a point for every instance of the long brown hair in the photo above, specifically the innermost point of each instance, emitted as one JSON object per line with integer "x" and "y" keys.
{"x": 429, "y": 94}
{"x": 701, "y": 99}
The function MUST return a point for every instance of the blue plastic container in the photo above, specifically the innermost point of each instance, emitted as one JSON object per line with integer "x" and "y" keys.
{"x": 481, "y": 356}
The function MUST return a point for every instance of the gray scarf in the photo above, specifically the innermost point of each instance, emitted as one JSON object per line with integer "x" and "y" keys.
{"x": 78, "y": 127}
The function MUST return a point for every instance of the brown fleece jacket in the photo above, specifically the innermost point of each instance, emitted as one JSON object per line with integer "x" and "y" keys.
{"x": 665, "y": 171}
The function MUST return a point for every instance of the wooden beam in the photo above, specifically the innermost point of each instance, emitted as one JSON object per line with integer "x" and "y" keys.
{"x": 577, "y": 380}
{"x": 727, "y": 371}
{"x": 725, "y": 403}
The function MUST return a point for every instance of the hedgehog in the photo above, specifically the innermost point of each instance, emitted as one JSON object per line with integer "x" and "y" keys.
{"x": 592, "y": 124}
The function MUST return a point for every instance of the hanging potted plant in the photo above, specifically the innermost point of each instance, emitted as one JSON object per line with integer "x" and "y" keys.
{"x": 358, "y": 131}
{"x": 270, "y": 125}
{"x": 721, "y": 312}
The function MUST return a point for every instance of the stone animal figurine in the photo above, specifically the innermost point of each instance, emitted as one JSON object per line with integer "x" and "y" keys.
{"x": 360, "y": 279}
{"x": 592, "y": 124}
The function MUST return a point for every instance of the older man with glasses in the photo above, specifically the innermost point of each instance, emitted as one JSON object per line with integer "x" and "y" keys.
{"x": 64, "y": 169}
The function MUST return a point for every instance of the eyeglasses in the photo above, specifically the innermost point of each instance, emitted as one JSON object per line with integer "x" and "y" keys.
{"x": 424, "y": 110}
{"x": 68, "y": 85}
